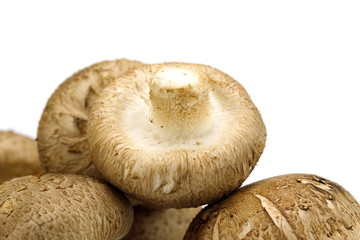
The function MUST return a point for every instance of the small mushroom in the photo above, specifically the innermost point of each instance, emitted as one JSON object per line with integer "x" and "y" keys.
{"x": 288, "y": 207}
{"x": 175, "y": 134}
{"x": 161, "y": 224}
{"x": 18, "y": 156}
{"x": 61, "y": 206}
{"x": 62, "y": 129}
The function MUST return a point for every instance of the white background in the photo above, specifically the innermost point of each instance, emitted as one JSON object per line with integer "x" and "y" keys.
{"x": 299, "y": 61}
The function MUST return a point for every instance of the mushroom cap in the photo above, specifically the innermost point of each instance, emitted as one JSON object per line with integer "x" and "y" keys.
{"x": 61, "y": 206}
{"x": 139, "y": 157}
{"x": 164, "y": 224}
{"x": 288, "y": 207}
{"x": 62, "y": 129}
{"x": 18, "y": 156}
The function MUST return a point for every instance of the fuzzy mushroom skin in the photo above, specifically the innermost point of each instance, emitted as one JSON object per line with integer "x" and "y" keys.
{"x": 135, "y": 153}
{"x": 62, "y": 129}
{"x": 288, "y": 207}
{"x": 61, "y": 206}
{"x": 18, "y": 156}
{"x": 161, "y": 224}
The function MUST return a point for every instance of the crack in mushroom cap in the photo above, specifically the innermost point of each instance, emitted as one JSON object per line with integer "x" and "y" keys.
{"x": 161, "y": 224}
{"x": 152, "y": 162}
{"x": 18, "y": 156}
{"x": 62, "y": 206}
{"x": 62, "y": 129}
{"x": 288, "y": 207}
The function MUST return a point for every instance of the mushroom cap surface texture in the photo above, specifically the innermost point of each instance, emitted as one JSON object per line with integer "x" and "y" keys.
{"x": 161, "y": 224}
{"x": 288, "y": 207}
{"x": 62, "y": 128}
{"x": 18, "y": 156}
{"x": 175, "y": 143}
{"x": 62, "y": 206}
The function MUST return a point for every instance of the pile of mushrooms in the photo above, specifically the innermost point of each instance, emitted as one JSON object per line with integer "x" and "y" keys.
{"x": 127, "y": 150}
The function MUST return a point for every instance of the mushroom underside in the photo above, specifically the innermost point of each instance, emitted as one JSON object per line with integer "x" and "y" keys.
{"x": 155, "y": 163}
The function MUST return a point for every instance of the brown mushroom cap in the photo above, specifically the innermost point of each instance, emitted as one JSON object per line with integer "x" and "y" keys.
{"x": 62, "y": 130}
{"x": 175, "y": 135}
{"x": 18, "y": 156}
{"x": 289, "y": 207}
{"x": 161, "y": 224}
{"x": 56, "y": 206}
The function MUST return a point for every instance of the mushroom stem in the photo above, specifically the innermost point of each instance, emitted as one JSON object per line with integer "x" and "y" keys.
{"x": 180, "y": 101}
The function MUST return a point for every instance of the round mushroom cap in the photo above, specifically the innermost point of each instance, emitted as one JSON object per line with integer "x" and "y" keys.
{"x": 62, "y": 129}
{"x": 161, "y": 224}
{"x": 175, "y": 135}
{"x": 288, "y": 207}
{"x": 56, "y": 206}
{"x": 18, "y": 156}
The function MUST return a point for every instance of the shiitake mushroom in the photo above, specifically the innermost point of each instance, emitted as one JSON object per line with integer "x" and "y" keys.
{"x": 161, "y": 224}
{"x": 175, "y": 134}
{"x": 288, "y": 207}
{"x": 62, "y": 206}
{"x": 62, "y": 130}
{"x": 18, "y": 156}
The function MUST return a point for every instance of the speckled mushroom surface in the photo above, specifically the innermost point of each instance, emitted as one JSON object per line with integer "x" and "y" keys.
{"x": 175, "y": 134}
{"x": 18, "y": 156}
{"x": 161, "y": 224}
{"x": 56, "y": 206}
{"x": 288, "y": 207}
{"x": 62, "y": 129}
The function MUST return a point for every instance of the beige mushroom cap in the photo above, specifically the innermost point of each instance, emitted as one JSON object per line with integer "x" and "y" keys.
{"x": 175, "y": 134}
{"x": 56, "y": 206}
{"x": 289, "y": 207}
{"x": 18, "y": 156}
{"x": 161, "y": 224}
{"x": 62, "y": 129}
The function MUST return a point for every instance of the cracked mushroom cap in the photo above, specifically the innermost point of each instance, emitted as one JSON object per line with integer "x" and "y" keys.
{"x": 161, "y": 224}
{"x": 175, "y": 135}
{"x": 288, "y": 207}
{"x": 62, "y": 129}
{"x": 18, "y": 156}
{"x": 56, "y": 206}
